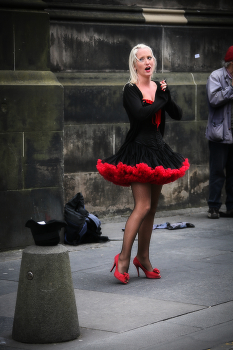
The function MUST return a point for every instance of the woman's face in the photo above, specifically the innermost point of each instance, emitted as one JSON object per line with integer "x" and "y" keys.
{"x": 145, "y": 64}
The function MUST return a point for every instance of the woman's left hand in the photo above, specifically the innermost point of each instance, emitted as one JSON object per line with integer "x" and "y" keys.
{"x": 163, "y": 85}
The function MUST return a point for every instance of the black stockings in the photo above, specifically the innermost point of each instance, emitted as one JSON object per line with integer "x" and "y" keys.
{"x": 146, "y": 197}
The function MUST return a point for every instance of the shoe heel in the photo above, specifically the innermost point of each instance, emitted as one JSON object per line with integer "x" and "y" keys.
{"x": 113, "y": 266}
{"x": 137, "y": 270}
{"x": 136, "y": 265}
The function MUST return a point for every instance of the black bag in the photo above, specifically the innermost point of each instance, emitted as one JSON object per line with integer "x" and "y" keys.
{"x": 82, "y": 227}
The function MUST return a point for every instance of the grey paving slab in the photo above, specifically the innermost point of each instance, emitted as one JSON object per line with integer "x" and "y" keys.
{"x": 9, "y": 270}
{"x": 146, "y": 337}
{"x": 95, "y": 309}
{"x": 189, "y": 274}
{"x": 114, "y": 231}
{"x": 11, "y": 255}
{"x": 6, "y": 324}
{"x": 86, "y": 341}
{"x": 164, "y": 336}
{"x": 204, "y": 339}
{"x": 134, "y": 339}
{"x": 208, "y": 317}
{"x": 7, "y": 305}
{"x": 200, "y": 290}
{"x": 3, "y": 346}
{"x": 7, "y": 287}
{"x": 91, "y": 258}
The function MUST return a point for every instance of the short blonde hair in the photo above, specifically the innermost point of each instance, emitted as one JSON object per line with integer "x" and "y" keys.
{"x": 132, "y": 59}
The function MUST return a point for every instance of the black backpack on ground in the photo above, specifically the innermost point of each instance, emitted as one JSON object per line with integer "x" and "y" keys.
{"x": 82, "y": 227}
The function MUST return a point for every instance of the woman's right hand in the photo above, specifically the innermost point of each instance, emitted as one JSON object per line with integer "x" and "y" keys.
{"x": 163, "y": 85}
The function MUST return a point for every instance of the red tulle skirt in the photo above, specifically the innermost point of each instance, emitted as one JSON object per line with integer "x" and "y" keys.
{"x": 123, "y": 175}
{"x": 146, "y": 159}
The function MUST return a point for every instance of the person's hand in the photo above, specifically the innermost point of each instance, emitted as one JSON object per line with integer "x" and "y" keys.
{"x": 163, "y": 85}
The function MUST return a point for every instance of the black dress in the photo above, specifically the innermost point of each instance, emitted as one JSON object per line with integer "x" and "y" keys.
{"x": 144, "y": 156}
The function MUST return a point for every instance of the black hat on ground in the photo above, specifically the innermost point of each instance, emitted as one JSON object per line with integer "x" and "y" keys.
{"x": 46, "y": 233}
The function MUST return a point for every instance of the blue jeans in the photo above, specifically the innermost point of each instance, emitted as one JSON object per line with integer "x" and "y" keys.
{"x": 221, "y": 170}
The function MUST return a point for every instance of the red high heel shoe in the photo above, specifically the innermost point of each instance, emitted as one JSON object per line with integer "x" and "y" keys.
{"x": 123, "y": 277}
{"x": 149, "y": 274}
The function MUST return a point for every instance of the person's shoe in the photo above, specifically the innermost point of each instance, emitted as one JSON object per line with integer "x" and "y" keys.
{"x": 227, "y": 214}
{"x": 149, "y": 274}
{"x": 213, "y": 213}
{"x": 123, "y": 277}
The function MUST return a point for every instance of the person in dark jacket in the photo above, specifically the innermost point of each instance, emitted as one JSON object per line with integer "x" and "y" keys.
{"x": 144, "y": 161}
{"x": 219, "y": 133}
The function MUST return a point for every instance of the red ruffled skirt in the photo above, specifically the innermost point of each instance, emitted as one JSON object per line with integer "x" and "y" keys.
{"x": 148, "y": 159}
{"x": 123, "y": 175}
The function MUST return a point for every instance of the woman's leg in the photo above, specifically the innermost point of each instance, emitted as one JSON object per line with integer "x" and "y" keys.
{"x": 145, "y": 230}
{"x": 142, "y": 204}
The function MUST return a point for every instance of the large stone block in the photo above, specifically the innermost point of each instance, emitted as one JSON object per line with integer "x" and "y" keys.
{"x": 188, "y": 138}
{"x": 17, "y": 207}
{"x": 11, "y": 154}
{"x": 182, "y": 90}
{"x": 31, "y": 40}
{"x": 202, "y": 104}
{"x": 99, "y": 47}
{"x": 42, "y": 146}
{"x": 24, "y": 37}
{"x": 31, "y": 108}
{"x": 31, "y": 160}
{"x": 199, "y": 184}
{"x": 6, "y": 40}
{"x": 93, "y": 104}
{"x": 85, "y": 144}
{"x": 188, "y": 191}
{"x": 184, "y": 96}
{"x": 175, "y": 195}
{"x": 43, "y": 159}
{"x": 43, "y": 175}
{"x": 181, "y": 45}
{"x": 119, "y": 134}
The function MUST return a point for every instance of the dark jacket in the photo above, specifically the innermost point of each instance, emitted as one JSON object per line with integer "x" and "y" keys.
{"x": 220, "y": 96}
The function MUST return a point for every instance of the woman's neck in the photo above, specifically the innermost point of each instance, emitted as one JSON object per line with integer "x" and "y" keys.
{"x": 144, "y": 81}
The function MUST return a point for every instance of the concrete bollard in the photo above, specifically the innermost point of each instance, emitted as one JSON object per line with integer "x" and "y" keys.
{"x": 45, "y": 309}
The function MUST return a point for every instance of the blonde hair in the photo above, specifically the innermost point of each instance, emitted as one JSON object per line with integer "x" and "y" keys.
{"x": 133, "y": 58}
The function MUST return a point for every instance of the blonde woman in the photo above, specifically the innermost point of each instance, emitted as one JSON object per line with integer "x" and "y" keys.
{"x": 144, "y": 161}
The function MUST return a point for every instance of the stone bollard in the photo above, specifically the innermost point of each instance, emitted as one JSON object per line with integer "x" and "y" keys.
{"x": 45, "y": 309}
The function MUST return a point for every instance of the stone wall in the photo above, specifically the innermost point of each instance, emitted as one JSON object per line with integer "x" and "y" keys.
{"x": 31, "y": 124}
